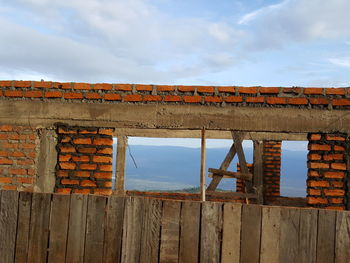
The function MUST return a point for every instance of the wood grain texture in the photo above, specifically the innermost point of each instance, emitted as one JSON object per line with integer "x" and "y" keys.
{"x": 59, "y": 228}
{"x": 76, "y": 230}
{"x": 211, "y": 230}
{"x": 251, "y": 231}
{"x": 342, "y": 241}
{"x": 308, "y": 235}
{"x": 95, "y": 229}
{"x": 152, "y": 215}
{"x": 190, "y": 230}
{"x": 39, "y": 228}
{"x": 114, "y": 229}
{"x": 258, "y": 172}
{"x": 8, "y": 225}
{"x": 170, "y": 235}
{"x": 231, "y": 233}
{"x": 270, "y": 235}
{"x": 22, "y": 241}
{"x": 326, "y": 236}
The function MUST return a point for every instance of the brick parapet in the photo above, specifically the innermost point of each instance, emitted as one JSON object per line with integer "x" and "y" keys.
{"x": 327, "y": 170}
{"x": 295, "y": 97}
{"x": 84, "y": 162}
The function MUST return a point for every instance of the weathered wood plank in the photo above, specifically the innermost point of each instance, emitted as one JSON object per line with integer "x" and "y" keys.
{"x": 231, "y": 194}
{"x": 211, "y": 229}
{"x": 307, "y": 235}
{"x": 190, "y": 227}
{"x": 326, "y": 236}
{"x": 342, "y": 241}
{"x": 95, "y": 229}
{"x": 8, "y": 225}
{"x": 132, "y": 229}
{"x": 39, "y": 228}
{"x": 203, "y": 162}
{"x": 170, "y": 235}
{"x": 231, "y": 233}
{"x": 152, "y": 216}
{"x": 114, "y": 229}
{"x": 229, "y": 174}
{"x": 258, "y": 170}
{"x": 251, "y": 230}
{"x": 289, "y": 235}
{"x": 59, "y": 228}
{"x": 270, "y": 235}
{"x": 122, "y": 144}
{"x": 76, "y": 229}
{"x": 22, "y": 241}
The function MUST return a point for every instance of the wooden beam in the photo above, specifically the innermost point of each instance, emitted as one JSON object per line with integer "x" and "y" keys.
{"x": 258, "y": 170}
{"x": 203, "y": 160}
{"x": 234, "y": 195}
{"x": 122, "y": 144}
{"x": 229, "y": 174}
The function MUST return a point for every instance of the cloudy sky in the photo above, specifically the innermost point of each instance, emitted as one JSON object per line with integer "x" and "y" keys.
{"x": 225, "y": 42}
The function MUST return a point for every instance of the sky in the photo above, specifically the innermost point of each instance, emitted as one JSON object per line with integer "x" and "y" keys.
{"x": 194, "y": 42}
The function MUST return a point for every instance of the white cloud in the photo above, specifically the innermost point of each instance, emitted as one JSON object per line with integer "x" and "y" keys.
{"x": 343, "y": 62}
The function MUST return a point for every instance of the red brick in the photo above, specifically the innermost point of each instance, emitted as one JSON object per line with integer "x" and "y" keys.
{"x": 42, "y": 84}
{"x": 103, "y": 141}
{"x": 318, "y": 165}
{"x": 313, "y": 191}
{"x": 341, "y": 208}
{"x": 82, "y": 174}
{"x": 25, "y": 162}
{"x": 82, "y": 158}
{"x": 3, "y": 136}
{"x": 334, "y": 138}
{"x": 106, "y": 168}
{"x": 81, "y": 86}
{"x": 165, "y": 88}
{"x": 133, "y": 98}
{"x": 316, "y": 200}
{"x": 337, "y": 200}
{"x": 337, "y": 184}
{"x": 338, "y": 166}
{"x": 64, "y": 190}
{"x": 13, "y": 93}
{"x": 105, "y": 151}
{"x": 334, "y": 192}
{"x": 87, "y": 183}
{"x": 101, "y": 175}
{"x": 105, "y": 131}
{"x": 213, "y": 99}
{"x": 318, "y": 184}
{"x": 62, "y": 85}
{"x": 102, "y": 191}
{"x": 66, "y": 139}
{"x": 25, "y": 180}
{"x": 33, "y": 94}
{"x": 22, "y": 84}
{"x": 30, "y": 171}
{"x": 53, "y": 94}
{"x": 6, "y": 128}
{"x": 108, "y": 184}
{"x": 292, "y": 90}
{"x": 335, "y": 91}
{"x": 315, "y": 137}
{"x": 331, "y": 157}
{"x": 82, "y": 141}
{"x": 334, "y": 175}
{"x": 73, "y": 95}
{"x": 112, "y": 96}
{"x": 62, "y": 173}
{"x": 340, "y": 102}
{"x": 319, "y": 101}
{"x": 17, "y": 171}
{"x": 319, "y": 147}
{"x": 67, "y": 166}
{"x": 102, "y": 159}
{"x": 141, "y": 87}
{"x": 275, "y": 100}
{"x": 123, "y": 87}
{"x": 27, "y": 146}
{"x": 69, "y": 181}
{"x": 314, "y": 157}
{"x": 205, "y": 89}
{"x": 313, "y": 91}
{"x": 5, "y": 161}
{"x": 64, "y": 158}
{"x": 338, "y": 148}
{"x": 233, "y": 99}
{"x": 87, "y": 166}
{"x": 5, "y": 180}
{"x": 152, "y": 98}
{"x": 88, "y": 131}
{"x": 66, "y": 149}
{"x": 86, "y": 150}
{"x": 6, "y": 83}
{"x": 1, "y": 93}
{"x": 228, "y": 89}
{"x": 82, "y": 191}
{"x": 172, "y": 98}
{"x": 192, "y": 99}
{"x": 103, "y": 86}
{"x": 93, "y": 96}
{"x": 248, "y": 90}
{"x": 4, "y": 154}
{"x": 255, "y": 99}
{"x": 66, "y": 131}
{"x": 185, "y": 88}
{"x": 269, "y": 90}
{"x": 297, "y": 101}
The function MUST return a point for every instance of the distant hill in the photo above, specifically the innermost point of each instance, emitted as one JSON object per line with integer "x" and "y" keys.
{"x": 177, "y": 168}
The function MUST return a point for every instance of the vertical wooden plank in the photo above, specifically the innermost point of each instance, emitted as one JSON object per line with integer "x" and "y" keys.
{"x": 270, "y": 235}
{"x": 258, "y": 170}
{"x": 76, "y": 228}
{"x": 251, "y": 231}
{"x": 152, "y": 216}
{"x": 231, "y": 233}
{"x": 203, "y": 171}
{"x": 122, "y": 144}
{"x": 307, "y": 235}
{"x": 132, "y": 229}
{"x": 342, "y": 242}
{"x": 39, "y": 228}
{"x": 211, "y": 229}
{"x": 95, "y": 229}
{"x": 114, "y": 229}
{"x": 289, "y": 235}
{"x": 24, "y": 205}
{"x": 169, "y": 244}
{"x": 58, "y": 228}
{"x": 8, "y": 225}
{"x": 190, "y": 227}
{"x": 326, "y": 236}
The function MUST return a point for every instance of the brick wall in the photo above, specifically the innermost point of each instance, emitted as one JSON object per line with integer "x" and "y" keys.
{"x": 18, "y": 153}
{"x": 317, "y": 98}
{"x": 272, "y": 167}
{"x": 84, "y": 160}
{"x": 327, "y": 170}
{"x": 240, "y": 185}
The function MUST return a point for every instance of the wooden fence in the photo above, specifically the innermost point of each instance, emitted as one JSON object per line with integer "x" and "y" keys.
{"x": 79, "y": 228}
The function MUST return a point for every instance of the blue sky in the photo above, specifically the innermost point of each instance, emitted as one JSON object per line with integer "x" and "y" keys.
{"x": 226, "y": 42}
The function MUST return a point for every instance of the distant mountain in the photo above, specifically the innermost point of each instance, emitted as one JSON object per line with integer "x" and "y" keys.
{"x": 176, "y": 168}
